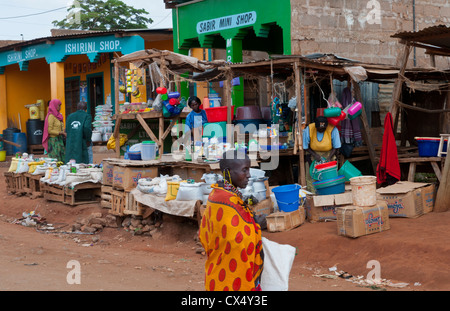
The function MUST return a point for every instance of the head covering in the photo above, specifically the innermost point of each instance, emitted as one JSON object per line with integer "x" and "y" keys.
{"x": 52, "y": 110}
{"x": 321, "y": 120}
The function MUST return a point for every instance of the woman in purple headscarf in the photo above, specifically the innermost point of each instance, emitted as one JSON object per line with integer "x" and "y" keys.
{"x": 52, "y": 139}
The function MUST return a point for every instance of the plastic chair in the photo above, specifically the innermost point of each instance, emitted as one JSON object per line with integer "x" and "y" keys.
{"x": 441, "y": 144}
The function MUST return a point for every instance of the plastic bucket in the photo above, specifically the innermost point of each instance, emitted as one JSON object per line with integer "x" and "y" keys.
{"x": 218, "y": 114}
{"x": 364, "y": 190}
{"x": 330, "y": 186}
{"x": 327, "y": 173}
{"x": 21, "y": 139}
{"x": 428, "y": 146}
{"x": 148, "y": 150}
{"x": 326, "y": 165}
{"x": 2, "y": 155}
{"x": 287, "y": 197}
{"x": 324, "y": 171}
{"x": 216, "y": 129}
{"x": 349, "y": 171}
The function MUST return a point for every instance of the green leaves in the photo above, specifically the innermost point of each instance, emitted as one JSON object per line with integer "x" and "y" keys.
{"x": 103, "y": 15}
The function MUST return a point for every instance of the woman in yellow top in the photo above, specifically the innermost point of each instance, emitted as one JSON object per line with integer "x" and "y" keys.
{"x": 229, "y": 233}
{"x": 52, "y": 138}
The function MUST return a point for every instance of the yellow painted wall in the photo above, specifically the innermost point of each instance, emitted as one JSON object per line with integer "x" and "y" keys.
{"x": 202, "y": 87}
{"x": 160, "y": 45}
{"x": 25, "y": 88}
{"x": 3, "y": 107}
{"x": 82, "y": 62}
{"x": 57, "y": 84}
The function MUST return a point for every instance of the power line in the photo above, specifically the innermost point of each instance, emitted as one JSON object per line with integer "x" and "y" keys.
{"x": 12, "y": 17}
{"x": 152, "y": 26}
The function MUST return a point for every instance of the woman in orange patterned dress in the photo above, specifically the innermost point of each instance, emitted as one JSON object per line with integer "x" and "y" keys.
{"x": 229, "y": 233}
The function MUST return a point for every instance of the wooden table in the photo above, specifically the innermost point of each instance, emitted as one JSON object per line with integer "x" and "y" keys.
{"x": 434, "y": 161}
{"x": 141, "y": 118}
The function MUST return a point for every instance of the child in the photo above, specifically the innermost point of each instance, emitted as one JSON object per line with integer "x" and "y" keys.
{"x": 197, "y": 117}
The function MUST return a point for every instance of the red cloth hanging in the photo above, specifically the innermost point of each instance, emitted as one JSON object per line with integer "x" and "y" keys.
{"x": 388, "y": 164}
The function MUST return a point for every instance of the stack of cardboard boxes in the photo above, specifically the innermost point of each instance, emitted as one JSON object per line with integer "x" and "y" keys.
{"x": 403, "y": 199}
{"x": 366, "y": 214}
{"x": 408, "y": 199}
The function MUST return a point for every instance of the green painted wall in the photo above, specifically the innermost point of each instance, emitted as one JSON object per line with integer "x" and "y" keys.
{"x": 268, "y": 31}
{"x": 234, "y": 25}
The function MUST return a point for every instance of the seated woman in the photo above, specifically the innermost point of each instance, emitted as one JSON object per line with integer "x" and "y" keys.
{"x": 229, "y": 233}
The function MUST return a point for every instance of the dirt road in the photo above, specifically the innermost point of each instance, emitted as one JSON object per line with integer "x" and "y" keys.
{"x": 413, "y": 251}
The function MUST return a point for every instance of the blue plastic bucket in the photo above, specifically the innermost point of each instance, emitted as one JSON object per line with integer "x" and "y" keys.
{"x": 330, "y": 186}
{"x": 428, "y": 146}
{"x": 287, "y": 197}
{"x": 21, "y": 139}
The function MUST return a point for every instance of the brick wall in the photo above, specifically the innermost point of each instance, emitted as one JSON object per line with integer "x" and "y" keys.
{"x": 343, "y": 27}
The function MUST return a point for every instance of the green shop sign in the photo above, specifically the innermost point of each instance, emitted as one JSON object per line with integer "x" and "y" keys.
{"x": 59, "y": 50}
{"x": 226, "y": 22}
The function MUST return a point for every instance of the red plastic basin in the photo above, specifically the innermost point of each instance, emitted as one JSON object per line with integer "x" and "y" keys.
{"x": 218, "y": 114}
{"x": 326, "y": 165}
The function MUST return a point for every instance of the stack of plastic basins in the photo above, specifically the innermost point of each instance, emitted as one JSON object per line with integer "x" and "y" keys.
{"x": 327, "y": 179}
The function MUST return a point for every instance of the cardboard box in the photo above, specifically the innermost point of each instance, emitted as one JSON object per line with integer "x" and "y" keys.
{"x": 354, "y": 221}
{"x": 126, "y": 177}
{"x": 192, "y": 173}
{"x": 108, "y": 173}
{"x": 282, "y": 221}
{"x": 428, "y": 198}
{"x": 263, "y": 207}
{"x": 323, "y": 207}
{"x": 405, "y": 199}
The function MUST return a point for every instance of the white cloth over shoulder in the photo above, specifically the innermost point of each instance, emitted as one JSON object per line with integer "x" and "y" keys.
{"x": 278, "y": 260}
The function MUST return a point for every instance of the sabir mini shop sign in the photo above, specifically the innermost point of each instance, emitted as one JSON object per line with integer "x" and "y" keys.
{"x": 226, "y": 22}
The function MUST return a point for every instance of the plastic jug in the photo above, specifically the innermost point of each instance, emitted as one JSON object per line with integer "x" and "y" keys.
{"x": 148, "y": 150}
{"x": 34, "y": 112}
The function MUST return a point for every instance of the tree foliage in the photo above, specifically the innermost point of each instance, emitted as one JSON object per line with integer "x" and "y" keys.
{"x": 103, "y": 15}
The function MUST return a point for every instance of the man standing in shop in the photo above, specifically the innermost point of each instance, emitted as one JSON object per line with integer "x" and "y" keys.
{"x": 79, "y": 133}
{"x": 321, "y": 140}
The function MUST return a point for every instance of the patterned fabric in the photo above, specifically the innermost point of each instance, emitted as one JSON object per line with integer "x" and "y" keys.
{"x": 56, "y": 148}
{"x": 232, "y": 241}
{"x": 350, "y": 129}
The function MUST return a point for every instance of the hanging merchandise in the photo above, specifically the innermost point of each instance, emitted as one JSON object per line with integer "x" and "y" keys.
{"x": 171, "y": 106}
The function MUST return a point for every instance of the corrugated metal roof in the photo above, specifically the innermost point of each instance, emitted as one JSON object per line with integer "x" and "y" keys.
{"x": 438, "y": 36}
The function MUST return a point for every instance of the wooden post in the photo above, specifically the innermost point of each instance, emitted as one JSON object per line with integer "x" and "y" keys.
{"x": 398, "y": 86}
{"x": 365, "y": 128}
{"x": 227, "y": 98}
{"x": 116, "y": 135}
{"x": 117, "y": 109}
{"x": 443, "y": 194}
{"x": 116, "y": 88}
{"x": 161, "y": 134}
{"x": 298, "y": 92}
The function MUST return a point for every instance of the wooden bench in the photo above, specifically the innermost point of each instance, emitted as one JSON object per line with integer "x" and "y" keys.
{"x": 434, "y": 161}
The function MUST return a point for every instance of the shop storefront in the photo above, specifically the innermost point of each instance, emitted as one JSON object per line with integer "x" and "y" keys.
{"x": 70, "y": 67}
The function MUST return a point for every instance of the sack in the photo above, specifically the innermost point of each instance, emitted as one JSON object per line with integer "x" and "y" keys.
{"x": 278, "y": 260}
